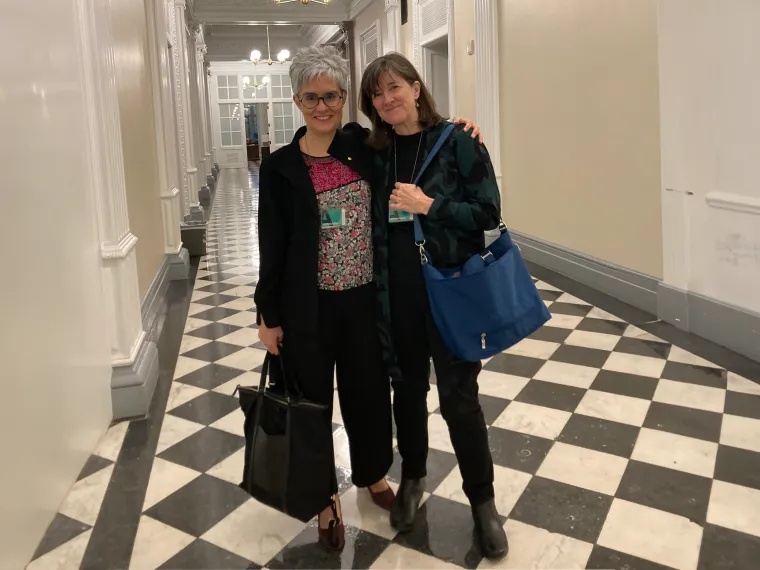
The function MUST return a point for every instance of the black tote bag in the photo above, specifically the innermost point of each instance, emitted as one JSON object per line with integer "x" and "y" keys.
{"x": 288, "y": 446}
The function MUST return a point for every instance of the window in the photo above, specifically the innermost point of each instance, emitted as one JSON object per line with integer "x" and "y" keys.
{"x": 281, "y": 88}
{"x": 229, "y": 118}
{"x": 228, "y": 87}
{"x": 283, "y": 123}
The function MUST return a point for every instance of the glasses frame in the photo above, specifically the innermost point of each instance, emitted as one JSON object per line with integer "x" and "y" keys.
{"x": 341, "y": 97}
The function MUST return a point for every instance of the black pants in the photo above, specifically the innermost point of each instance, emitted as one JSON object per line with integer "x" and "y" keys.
{"x": 417, "y": 340}
{"x": 347, "y": 346}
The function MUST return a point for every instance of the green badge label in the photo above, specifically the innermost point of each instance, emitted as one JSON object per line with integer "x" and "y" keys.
{"x": 396, "y": 216}
{"x": 333, "y": 218}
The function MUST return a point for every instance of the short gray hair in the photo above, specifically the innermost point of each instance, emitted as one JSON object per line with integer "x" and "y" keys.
{"x": 315, "y": 61}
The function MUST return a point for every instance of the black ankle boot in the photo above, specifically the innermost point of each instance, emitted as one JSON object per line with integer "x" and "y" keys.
{"x": 488, "y": 527}
{"x": 407, "y": 502}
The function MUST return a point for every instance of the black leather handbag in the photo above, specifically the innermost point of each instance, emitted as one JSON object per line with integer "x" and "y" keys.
{"x": 289, "y": 461}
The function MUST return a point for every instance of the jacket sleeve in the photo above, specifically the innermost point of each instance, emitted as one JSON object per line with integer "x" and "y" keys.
{"x": 481, "y": 208}
{"x": 272, "y": 248}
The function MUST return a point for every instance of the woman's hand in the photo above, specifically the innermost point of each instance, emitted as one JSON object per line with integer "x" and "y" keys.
{"x": 410, "y": 198}
{"x": 271, "y": 338}
{"x": 468, "y": 124}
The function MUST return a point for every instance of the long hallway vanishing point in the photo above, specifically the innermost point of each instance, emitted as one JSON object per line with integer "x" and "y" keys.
{"x": 614, "y": 449}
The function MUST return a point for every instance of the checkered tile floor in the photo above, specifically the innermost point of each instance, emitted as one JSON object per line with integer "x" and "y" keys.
{"x": 613, "y": 449}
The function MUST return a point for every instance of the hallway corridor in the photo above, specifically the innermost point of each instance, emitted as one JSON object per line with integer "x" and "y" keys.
{"x": 613, "y": 448}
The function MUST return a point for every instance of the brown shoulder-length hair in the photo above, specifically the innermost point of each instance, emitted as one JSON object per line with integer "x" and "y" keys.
{"x": 396, "y": 64}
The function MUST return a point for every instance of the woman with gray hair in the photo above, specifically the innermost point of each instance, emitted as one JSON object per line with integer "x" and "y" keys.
{"x": 316, "y": 299}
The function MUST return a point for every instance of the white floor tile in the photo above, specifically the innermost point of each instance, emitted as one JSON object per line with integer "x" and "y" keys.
{"x": 241, "y": 291}
{"x": 255, "y": 531}
{"x": 735, "y": 507}
{"x": 242, "y": 337}
{"x": 738, "y": 383}
{"x": 678, "y": 354}
{"x": 69, "y": 555}
{"x": 675, "y": 451}
{"x": 232, "y": 423}
{"x": 568, "y": 298}
{"x": 637, "y": 333}
{"x": 166, "y": 478}
{"x": 359, "y": 511}
{"x": 567, "y": 374}
{"x": 543, "y": 285}
{"x": 635, "y": 364}
{"x": 585, "y": 468}
{"x": 588, "y": 339}
{"x": 198, "y": 295}
{"x": 245, "y": 379}
{"x": 597, "y": 313}
{"x": 501, "y": 385}
{"x": 564, "y": 321}
{"x": 614, "y": 407}
{"x": 231, "y": 469}
{"x": 86, "y": 497}
{"x": 438, "y": 434}
{"x": 533, "y": 420}
{"x": 534, "y": 348}
{"x": 690, "y": 395}
{"x": 174, "y": 430}
{"x": 539, "y": 549}
{"x": 241, "y": 319}
{"x": 246, "y": 359}
{"x": 196, "y": 308}
{"x": 109, "y": 446}
{"x": 508, "y": 484}
{"x": 652, "y": 534}
{"x": 241, "y": 304}
{"x": 397, "y": 557}
{"x": 741, "y": 432}
{"x": 195, "y": 324}
{"x": 156, "y": 543}
{"x": 342, "y": 451}
{"x": 187, "y": 365}
{"x": 180, "y": 393}
{"x": 191, "y": 342}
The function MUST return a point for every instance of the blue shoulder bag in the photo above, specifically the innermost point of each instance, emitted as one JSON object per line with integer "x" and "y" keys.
{"x": 488, "y": 304}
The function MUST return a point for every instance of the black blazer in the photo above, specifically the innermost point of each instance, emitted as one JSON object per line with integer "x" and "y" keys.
{"x": 289, "y": 226}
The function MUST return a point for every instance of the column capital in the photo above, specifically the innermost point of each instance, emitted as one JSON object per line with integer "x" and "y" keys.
{"x": 180, "y": 4}
{"x": 392, "y": 5}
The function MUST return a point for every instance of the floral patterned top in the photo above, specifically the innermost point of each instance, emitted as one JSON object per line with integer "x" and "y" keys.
{"x": 345, "y": 241}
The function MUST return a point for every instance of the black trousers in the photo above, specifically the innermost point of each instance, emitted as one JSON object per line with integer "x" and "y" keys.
{"x": 347, "y": 347}
{"x": 417, "y": 340}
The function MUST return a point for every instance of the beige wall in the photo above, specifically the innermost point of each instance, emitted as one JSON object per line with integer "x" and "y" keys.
{"x": 464, "y": 65}
{"x": 580, "y": 128}
{"x": 375, "y": 11}
{"x": 133, "y": 80}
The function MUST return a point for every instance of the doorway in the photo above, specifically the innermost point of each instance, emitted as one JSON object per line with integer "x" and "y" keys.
{"x": 257, "y": 140}
{"x": 435, "y": 56}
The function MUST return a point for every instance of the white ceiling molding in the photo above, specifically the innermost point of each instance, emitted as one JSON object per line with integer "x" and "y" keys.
{"x": 318, "y": 35}
{"x": 358, "y": 6}
{"x": 265, "y": 12}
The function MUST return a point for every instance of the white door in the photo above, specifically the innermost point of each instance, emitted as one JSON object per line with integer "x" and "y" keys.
{"x": 229, "y": 122}
{"x": 283, "y": 123}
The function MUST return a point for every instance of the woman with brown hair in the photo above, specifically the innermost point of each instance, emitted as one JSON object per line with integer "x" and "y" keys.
{"x": 457, "y": 200}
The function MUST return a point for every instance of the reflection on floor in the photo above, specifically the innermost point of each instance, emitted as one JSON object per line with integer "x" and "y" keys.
{"x": 614, "y": 449}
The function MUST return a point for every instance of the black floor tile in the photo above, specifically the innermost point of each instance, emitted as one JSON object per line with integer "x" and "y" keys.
{"x": 204, "y": 449}
{"x": 206, "y": 408}
{"x": 199, "y": 505}
{"x": 639, "y": 347}
{"x": 738, "y": 466}
{"x": 439, "y": 466}
{"x": 698, "y": 424}
{"x": 549, "y": 295}
{"x": 551, "y": 395}
{"x": 600, "y": 435}
{"x": 211, "y": 376}
{"x": 551, "y": 334}
{"x": 602, "y": 326}
{"x": 581, "y": 356}
{"x": 518, "y": 451}
{"x": 606, "y": 559}
{"x": 215, "y": 314}
{"x": 676, "y": 492}
{"x": 444, "y": 529}
{"x": 515, "y": 365}
{"x": 60, "y": 531}
{"x": 746, "y": 405}
{"x": 215, "y": 300}
{"x": 202, "y": 555}
{"x": 213, "y": 351}
{"x": 569, "y": 309}
{"x": 625, "y": 384}
{"x": 690, "y": 374}
{"x": 492, "y": 407}
{"x": 214, "y": 331}
{"x": 217, "y": 288}
{"x": 303, "y": 552}
{"x": 726, "y": 549}
{"x": 562, "y": 508}
{"x": 94, "y": 464}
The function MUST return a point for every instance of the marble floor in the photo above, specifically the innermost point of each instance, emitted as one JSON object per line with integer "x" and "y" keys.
{"x": 619, "y": 442}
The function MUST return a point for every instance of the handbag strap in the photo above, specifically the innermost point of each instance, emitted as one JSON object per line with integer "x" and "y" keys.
{"x": 419, "y": 236}
{"x": 291, "y": 389}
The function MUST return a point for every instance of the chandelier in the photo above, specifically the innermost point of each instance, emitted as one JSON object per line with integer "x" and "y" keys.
{"x": 282, "y": 57}
{"x": 304, "y": 2}
{"x": 256, "y": 85}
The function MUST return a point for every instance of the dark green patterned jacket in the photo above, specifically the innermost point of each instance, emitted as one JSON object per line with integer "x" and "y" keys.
{"x": 467, "y": 202}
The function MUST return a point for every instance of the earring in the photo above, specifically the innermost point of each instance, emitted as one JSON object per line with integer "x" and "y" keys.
{"x": 417, "y": 103}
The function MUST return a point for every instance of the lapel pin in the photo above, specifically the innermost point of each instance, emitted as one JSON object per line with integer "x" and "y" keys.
{"x": 349, "y": 158}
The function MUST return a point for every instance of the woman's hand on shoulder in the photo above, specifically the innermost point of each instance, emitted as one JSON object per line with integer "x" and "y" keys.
{"x": 470, "y": 125}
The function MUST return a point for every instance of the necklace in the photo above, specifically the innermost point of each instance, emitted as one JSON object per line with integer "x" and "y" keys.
{"x": 395, "y": 156}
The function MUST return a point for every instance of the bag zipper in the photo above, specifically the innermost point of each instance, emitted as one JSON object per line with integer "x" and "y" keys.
{"x": 483, "y": 341}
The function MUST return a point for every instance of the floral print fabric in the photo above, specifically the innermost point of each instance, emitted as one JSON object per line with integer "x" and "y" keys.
{"x": 345, "y": 251}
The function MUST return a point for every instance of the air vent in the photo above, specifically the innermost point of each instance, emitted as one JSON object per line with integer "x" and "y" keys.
{"x": 433, "y": 18}
{"x": 370, "y": 44}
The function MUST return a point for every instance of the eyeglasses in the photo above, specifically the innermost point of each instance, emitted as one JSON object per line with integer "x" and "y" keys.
{"x": 311, "y": 100}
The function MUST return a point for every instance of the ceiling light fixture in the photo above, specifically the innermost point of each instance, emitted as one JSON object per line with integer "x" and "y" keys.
{"x": 248, "y": 83}
{"x": 304, "y": 2}
{"x": 282, "y": 57}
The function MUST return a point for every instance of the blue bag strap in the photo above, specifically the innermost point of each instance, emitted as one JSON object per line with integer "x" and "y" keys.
{"x": 419, "y": 236}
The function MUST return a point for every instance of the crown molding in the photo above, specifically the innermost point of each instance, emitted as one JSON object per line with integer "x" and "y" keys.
{"x": 357, "y": 7}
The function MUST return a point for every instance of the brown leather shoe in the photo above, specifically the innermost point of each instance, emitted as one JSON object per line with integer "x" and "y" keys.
{"x": 383, "y": 499}
{"x": 334, "y": 536}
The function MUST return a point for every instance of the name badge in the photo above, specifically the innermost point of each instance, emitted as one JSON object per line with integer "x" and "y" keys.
{"x": 398, "y": 216}
{"x": 333, "y": 218}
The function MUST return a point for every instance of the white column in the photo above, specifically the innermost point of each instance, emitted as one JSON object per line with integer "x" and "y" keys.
{"x": 393, "y": 19}
{"x": 203, "y": 105}
{"x": 487, "y": 78}
{"x": 117, "y": 242}
{"x": 207, "y": 98}
{"x": 186, "y": 123}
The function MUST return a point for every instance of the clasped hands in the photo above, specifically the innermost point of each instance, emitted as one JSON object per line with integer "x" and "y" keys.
{"x": 410, "y": 198}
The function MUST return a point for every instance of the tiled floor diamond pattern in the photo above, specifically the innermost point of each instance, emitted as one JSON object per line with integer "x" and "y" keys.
{"x": 613, "y": 448}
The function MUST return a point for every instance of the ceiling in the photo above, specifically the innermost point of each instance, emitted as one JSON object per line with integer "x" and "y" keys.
{"x": 266, "y": 11}
{"x": 230, "y": 42}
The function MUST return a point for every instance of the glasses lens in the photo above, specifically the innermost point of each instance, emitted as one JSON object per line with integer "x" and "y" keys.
{"x": 310, "y": 100}
{"x": 332, "y": 99}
